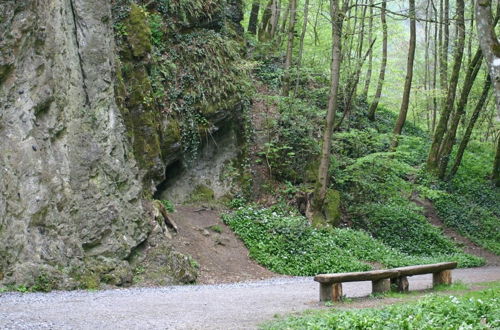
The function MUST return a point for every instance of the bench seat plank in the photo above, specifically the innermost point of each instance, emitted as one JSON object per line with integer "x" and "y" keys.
{"x": 356, "y": 276}
{"x": 425, "y": 269}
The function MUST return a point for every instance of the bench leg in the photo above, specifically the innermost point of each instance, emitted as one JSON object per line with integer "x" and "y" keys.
{"x": 330, "y": 292}
{"x": 442, "y": 277}
{"x": 382, "y": 285}
{"x": 400, "y": 284}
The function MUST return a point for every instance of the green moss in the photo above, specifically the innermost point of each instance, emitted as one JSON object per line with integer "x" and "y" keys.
{"x": 138, "y": 31}
{"x": 202, "y": 193}
{"x": 172, "y": 133}
{"x": 90, "y": 281}
{"x": 332, "y": 207}
{"x": 5, "y": 70}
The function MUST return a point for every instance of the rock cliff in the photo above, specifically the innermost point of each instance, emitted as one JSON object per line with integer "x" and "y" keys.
{"x": 97, "y": 100}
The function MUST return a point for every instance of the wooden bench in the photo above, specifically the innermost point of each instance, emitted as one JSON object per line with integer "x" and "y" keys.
{"x": 330, "y": 285}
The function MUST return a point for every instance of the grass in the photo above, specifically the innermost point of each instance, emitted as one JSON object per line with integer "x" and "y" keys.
{"x": 473, "y": 310}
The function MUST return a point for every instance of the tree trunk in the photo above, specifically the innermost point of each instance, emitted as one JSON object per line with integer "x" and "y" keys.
{"x": 322, "y": 184}
{"x": 468, "y": 132}
{"x": 434, "y": 152}
{"x": 351, "y": 87}
{"x": 301, "y": 44}
{"x": 264, "y": 22}
{"x": 409, "y": 77}
{"x": 254, "y": 17}
{"x": 496, "y": 165}
{"x": 449, "y": 140}
{"x": 289, "y": 48}
{"x": 434, "y": 71}
{"x": 489, "y": 44}
{"x": 370, "y": 58}
{"x": 383, "y": 64}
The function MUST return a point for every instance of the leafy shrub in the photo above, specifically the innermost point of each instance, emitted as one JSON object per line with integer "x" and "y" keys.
{"x": 479, "y": 310}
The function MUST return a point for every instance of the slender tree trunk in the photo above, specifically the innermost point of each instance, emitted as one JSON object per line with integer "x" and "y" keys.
{"x": 446, "y": 46}
{"x": 383, "y": 64}
{"x": 449, "y": 140}
{"x": 301, "y": 44}
{"x": 283, "y": 25}
{"x": 427, "y": 67}
{"x": 316, "y": 21}
{"x": 275, "y": 18}
{"x": 434, "y": 71}
{"x": 471, "y": 33}
{"x": 468, "y": 132}
{"x": 409, "y": 77}
{"x": 322, "y": 185}
{"x": 362, "y": 33}
{"x": 254, "y": 17}
{"x": 434, "y": 153}
{"x": 370, "y": 58}
{"x": 490, "y": 46}
{"x": 496, "y": 165}
{"x": 351, "y": 88}
{"x": 289, "y": 48}
{"x": 264, "y": 22}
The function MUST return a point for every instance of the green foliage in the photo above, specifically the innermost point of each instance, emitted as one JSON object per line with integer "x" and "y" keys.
{"x": 469, "y": 202}
{"x": 168, "y": 205}
{"x": 479, "y": 310}
{"x": 285, "y": 243}
{"x": 216, "y": 228}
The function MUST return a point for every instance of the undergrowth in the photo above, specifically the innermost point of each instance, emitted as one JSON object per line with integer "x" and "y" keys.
{"x": 475, "y": 310}
{"x": 284, "y": 242}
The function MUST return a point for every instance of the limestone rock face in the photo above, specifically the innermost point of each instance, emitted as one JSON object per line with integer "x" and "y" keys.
{"x": 72, "y": 192}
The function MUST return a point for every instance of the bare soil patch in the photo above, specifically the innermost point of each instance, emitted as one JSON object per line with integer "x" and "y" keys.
{"x": 221, "y": 255}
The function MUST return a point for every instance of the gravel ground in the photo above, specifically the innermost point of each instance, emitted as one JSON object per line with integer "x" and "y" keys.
{"x": 224, "y": 306}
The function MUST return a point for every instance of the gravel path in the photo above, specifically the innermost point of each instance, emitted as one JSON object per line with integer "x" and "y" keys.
{"x": 225, "y": 306}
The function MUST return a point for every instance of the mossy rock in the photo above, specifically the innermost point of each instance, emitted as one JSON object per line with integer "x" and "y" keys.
{"x": 331, "y": 207}
{"x": 172, "y": 133}
{"x": 138, "y": 31}
{"x": 202, "y": 193}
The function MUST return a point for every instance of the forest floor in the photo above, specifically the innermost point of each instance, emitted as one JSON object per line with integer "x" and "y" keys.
{"x": 242, "y": 305}
{"x": 466, "y": 244}
{"x": 222, "y": 256}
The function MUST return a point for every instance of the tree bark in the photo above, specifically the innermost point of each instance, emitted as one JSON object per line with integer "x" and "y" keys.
{"x": 301, "y": 43}
{"x": 468, "y": 132}
{"x": 434, "y": 153}
{"x": 289, "y": 48}
{"x": 489, "y": 44}
{"x": 254, "y": 17}
{"x": 449, "y": 140}
{"x": 383, "y": 64}
{"x": 322, "y": 184}
{"x": 370, "y": 58}
{"x": 409, "y": 77}
{"x": 491, "y": 49}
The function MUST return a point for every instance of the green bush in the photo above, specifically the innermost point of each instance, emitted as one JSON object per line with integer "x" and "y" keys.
{"x": 480, "y": 310}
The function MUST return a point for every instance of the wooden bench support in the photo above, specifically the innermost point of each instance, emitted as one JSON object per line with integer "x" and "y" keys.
{"x": 442, "y": 277}
{"x": 330, "y": 292}
{"x": 330, "y": 285}
{"x": 400, "y": 284}
{"x": 381, "y": 286}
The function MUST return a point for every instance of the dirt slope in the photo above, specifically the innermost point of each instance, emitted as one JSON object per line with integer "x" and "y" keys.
{"x": 470, "y": 247}
{"x": 221, "y": 255}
